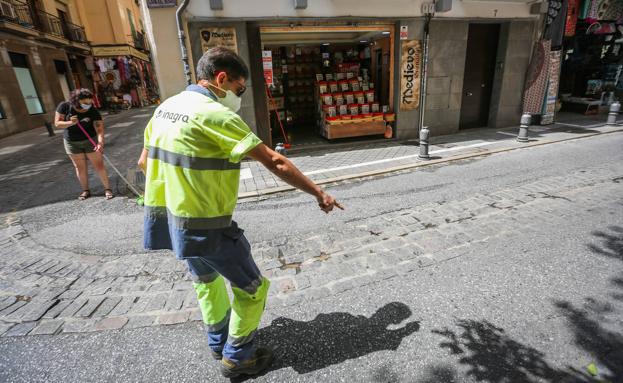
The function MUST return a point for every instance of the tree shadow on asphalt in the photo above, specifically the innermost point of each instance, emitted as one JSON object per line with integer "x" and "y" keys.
{"x": 594, "y": 332}
{"x": 334, "y": 338}
{"x": 491, "y": 355}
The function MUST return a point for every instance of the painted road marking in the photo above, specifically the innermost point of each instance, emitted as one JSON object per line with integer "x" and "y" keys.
{"x": 122, "y": 124}
{"x": 397, "y": 158}
{"x": 14, "y": 149}
{"x": 142, "y": 115}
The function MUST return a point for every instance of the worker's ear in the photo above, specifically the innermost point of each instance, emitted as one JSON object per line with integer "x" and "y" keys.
{"x": 220, "y": 79}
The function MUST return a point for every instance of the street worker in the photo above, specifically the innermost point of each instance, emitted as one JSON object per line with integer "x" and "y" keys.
{"x": 194, "y": 143}
{"x": 83, "y": 126}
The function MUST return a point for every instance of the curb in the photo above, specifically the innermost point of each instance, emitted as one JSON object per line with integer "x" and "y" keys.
{"x": 280, "y": 189}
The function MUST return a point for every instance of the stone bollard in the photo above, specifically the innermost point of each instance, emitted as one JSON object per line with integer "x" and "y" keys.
{"x": 50, "y": 129}
{"x": 424, "y": 133}
{"x": 523, "y": 127}
{"x": 615, "y": 107}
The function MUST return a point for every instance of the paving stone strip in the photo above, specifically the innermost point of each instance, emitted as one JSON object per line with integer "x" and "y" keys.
{"x": 44, "y": 292}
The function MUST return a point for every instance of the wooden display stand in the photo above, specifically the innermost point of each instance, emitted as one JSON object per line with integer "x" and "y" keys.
{"x": 353, "y": 129}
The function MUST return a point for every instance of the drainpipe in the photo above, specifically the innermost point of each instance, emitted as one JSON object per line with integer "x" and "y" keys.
{"x": 182, "y": 36}
{"x": 424, "y": 72}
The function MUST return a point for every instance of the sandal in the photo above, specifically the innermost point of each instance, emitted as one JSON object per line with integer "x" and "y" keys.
{"x": 108, "y": 194}
{"x": 84, "y": 195}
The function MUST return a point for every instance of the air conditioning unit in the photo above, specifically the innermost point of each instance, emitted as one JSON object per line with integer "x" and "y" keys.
{"x": 6, "y": 9}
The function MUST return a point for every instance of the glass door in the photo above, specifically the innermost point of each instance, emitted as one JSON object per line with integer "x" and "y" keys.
{"x": 27, "y": 86}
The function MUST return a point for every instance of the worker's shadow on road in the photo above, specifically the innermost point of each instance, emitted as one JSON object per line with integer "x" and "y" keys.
{"x": 336, "y": 337}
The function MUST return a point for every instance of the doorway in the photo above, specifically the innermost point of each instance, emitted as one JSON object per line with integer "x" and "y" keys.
{"x": 482, "y": 45}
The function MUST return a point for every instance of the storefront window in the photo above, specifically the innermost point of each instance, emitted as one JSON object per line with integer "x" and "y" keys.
{"x": 328, "y": 82}
{"x": 26, "y": 84}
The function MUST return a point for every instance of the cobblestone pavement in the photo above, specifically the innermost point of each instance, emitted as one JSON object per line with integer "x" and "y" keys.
{"x": 49, "y": 292}
{"x": 380, "y": 157}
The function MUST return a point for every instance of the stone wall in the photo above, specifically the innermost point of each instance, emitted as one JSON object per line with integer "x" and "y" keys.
{"x": 447, "y": 50}
{"x": 514, "y": 52}
{"x": 247, "y": 110}
{"x": 41, "y": 61}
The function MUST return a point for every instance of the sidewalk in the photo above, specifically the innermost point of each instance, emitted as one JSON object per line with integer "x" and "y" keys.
{"x": 378, "y": 158}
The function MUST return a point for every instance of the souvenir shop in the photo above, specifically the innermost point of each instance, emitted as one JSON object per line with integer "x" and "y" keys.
{"x": 329, "y": 82}
{"x": 123, "y": 80}
{"x": 592, "y": 56}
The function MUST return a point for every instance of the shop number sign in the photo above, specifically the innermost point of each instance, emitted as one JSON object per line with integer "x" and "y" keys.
{"x": 218, "y": 37}
{"x": 410, "y": 74}
{"x": 267, "y": 63}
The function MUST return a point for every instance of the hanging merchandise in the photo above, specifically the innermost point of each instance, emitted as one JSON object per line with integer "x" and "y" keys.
{"x": 113, "y": 76}
{"x": 593, "y": 10}
{"x": 103, "y": 65}
{"x": 584, "y": 8}
{"x": 611, "y": 11}
{"x": 573, "y": 8}
{"x": 536, "y": 81}
{"x": 549, "y": 105}
{"x": 126, "y": 67}
{"x": 555, "y": 22}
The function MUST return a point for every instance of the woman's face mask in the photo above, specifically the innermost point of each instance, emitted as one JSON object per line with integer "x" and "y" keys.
{"x": 85, "y": 106}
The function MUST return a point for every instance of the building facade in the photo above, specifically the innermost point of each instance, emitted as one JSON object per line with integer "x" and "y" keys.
{"x": 346, "y": 69}
{"x": 43, "y": 48}
{"x": 120, "y": 65}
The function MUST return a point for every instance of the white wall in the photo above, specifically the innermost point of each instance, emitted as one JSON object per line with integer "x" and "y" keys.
{"x": 358, "y": 8}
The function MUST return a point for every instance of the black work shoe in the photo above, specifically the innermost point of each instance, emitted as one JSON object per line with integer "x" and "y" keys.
{"x": 259, "y": 362}
{"x": 216, "y": 355}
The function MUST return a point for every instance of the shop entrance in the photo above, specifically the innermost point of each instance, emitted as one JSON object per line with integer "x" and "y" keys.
{"x": 482, "y": 45}
{"x": 328, "y": 84}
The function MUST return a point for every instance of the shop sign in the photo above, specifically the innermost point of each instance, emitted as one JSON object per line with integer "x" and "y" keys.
{"x": 267, "y": 63}
{"x": 218, "y": 37}
{"x": 161, "y": 3}
{"x": 111, "y": 51}
{"x": 410, "y": 74}
{"x": 404, "y": 32}
{"x": 122, "y": 50}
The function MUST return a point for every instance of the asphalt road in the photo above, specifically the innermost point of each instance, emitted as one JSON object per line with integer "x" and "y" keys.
{"x": 515, "y": 310}
{"x": 518, "y": 308}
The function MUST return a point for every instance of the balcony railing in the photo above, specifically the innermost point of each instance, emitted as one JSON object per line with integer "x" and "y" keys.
{"x": 139, "y": 41}
{"x": 51, "y": 24}
{"x": 75, "y": 33}
{"x": 16, "y": 12}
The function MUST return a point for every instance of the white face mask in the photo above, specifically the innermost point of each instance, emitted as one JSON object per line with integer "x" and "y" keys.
{"x": 231, "y": 101}
{"x": 85, "y": 106}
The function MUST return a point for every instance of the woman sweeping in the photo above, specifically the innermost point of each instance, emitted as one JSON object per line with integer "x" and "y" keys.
{"x": 79, "y": 117}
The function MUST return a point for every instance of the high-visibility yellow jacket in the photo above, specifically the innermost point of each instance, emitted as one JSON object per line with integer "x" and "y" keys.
{"x": 195, "y": 146}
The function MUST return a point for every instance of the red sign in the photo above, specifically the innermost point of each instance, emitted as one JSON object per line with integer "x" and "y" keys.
{"x": 404, "y": 32}
{"x": 267, "y": 63}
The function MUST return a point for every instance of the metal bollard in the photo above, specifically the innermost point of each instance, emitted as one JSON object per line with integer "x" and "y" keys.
{"x": 280, "y": 148}
{"x": 615, "y": 107}
{"x": 424, "y": 133}
{"x": 50, "y": 129}
{"x": 523, "y": 127}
